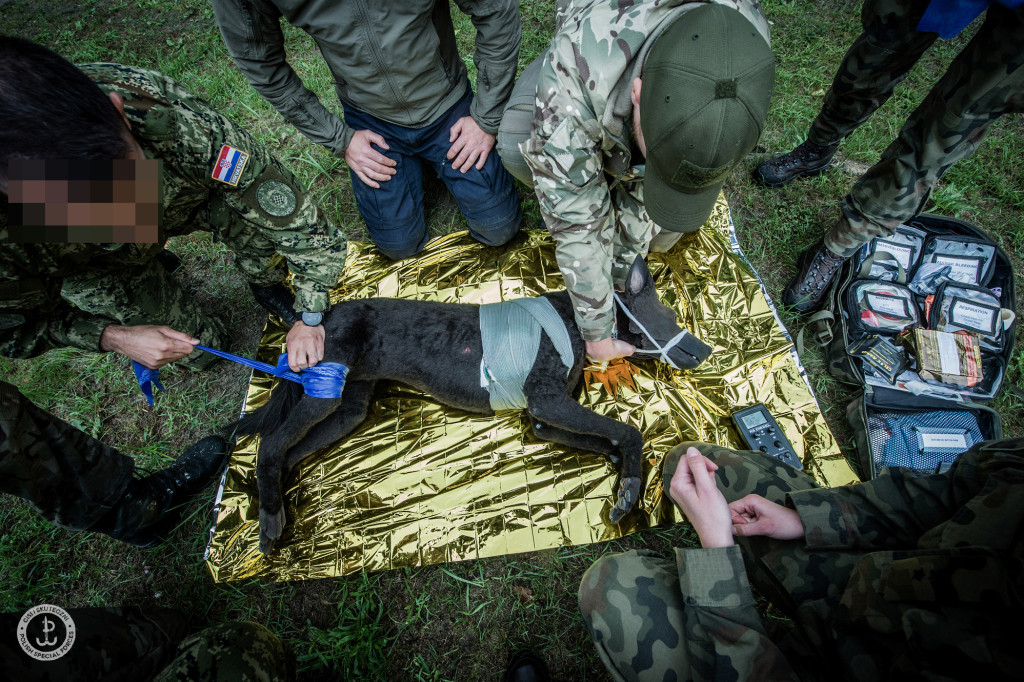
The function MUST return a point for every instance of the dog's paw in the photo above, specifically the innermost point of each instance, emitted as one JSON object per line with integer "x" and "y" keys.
{"x": 629, "y": 492}
{"x": 271, "y": 528}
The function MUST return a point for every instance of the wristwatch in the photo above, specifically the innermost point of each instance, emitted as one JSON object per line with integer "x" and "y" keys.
{"x": 312, "y": 319}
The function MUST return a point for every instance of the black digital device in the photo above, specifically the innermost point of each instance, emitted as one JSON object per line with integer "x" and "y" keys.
{"x": 760, "y": 431}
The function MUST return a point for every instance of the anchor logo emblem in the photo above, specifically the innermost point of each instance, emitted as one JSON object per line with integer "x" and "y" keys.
{"x": 48, "y": 627}
{"x": 39, "y": 635}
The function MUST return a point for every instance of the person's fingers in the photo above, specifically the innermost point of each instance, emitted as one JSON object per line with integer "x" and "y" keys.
{"x": 626, "y": 349}
{"x": 454, "y": 133}
{"x": 180, "y": 336}
{"x": 483, "y": 159}
{"x": 702, "y": 479}
{"x": 378, "y": 159}
{"x": 456, "y": 149}
{"x": 367, "y": 180}
{"x": 377, "y": 139}
{"x": 464, "y": 161}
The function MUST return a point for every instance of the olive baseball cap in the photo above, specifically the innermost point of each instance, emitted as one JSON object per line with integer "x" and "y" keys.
{"x": 706, "y": 86}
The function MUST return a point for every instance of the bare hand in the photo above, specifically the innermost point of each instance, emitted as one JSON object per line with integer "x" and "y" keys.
{"x": 693, "y": 488}
{"x": 472, "y": 145}
{"x": 149, "y": 345}
{"x": 367, "y": 163}
{"x": 305, "y": 345}
{"x": 754, "y": 515}
{"x": 609, "y": 349}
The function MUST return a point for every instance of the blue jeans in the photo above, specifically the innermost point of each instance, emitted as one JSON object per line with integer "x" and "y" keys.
{"x": 394, "y": 212}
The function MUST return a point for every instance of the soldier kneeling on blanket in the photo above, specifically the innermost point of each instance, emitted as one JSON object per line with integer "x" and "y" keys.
{"x": 901, "y": 577}
{"x": 203, "y": 173}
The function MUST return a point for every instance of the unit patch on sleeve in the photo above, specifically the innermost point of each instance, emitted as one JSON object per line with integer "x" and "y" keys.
{"x": 276, "y": 198}
{"x": 229, "y": 166}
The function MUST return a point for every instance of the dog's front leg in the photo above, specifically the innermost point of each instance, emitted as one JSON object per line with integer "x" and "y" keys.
{"x": 271, "y": 458}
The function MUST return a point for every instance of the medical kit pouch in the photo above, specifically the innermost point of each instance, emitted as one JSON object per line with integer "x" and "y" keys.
{"x": 880, "y": 308}
{"x": 925, "y": 435}
{"x": 885, "y": 256}
{"x": 949, "y": 258}
{"x": 959, "y": 307}
{"x": 942, "y": 295}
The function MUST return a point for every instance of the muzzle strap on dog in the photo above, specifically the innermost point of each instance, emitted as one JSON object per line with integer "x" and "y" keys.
{"x": 325, "y": 380}
{"x": 661, "y": 351}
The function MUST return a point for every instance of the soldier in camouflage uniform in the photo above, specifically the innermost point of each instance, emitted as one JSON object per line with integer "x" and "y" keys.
{"x": 638, "y": 120}
{"x": 129, "y": 644}
{"x": 93, "y": 296}
{"x": 120, "y": 297}
{"x": 985, "y": 81}
{"x": 899, "y": 577}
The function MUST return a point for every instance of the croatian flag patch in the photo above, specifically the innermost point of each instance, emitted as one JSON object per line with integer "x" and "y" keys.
{"x": 230, "y": 164}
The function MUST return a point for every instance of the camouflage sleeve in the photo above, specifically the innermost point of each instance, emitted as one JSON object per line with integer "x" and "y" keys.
{"x": 268, "y": 211}
{"x": 498, "y": 35}
{"x": 721, "y": 615}
{"x": 895, "y": 509}
{"x": 252, "y": 33}
{"x": 28, "y": 333}
{"x": 564, "y": 154}
{"x": 33, "y": 316}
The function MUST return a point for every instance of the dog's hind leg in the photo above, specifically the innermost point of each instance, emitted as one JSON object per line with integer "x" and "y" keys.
{"x": 580, "y": 441}
{"x": 570, "y": 418}
{"x": 270, "y": 460}
{"x": 351, "y": 413}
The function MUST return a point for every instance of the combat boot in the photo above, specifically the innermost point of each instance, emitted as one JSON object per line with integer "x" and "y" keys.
{"x": 526, "y": 666}
{"x": 278, "y": 300}
{"x": 818, "y": 267}
{"x": 151, "y": 506}
{"x": 806, "y": 160}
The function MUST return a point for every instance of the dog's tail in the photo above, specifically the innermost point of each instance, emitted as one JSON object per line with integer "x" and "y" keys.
{"x": 269, "y": 417}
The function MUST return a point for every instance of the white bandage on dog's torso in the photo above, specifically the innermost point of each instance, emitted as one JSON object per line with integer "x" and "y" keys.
{"x": 510, "y": 333}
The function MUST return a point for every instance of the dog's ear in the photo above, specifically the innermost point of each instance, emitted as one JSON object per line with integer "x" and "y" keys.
{"x": 638, "y": 277}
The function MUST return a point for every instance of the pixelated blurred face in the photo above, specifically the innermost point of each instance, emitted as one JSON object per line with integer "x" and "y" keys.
{"x": 84, "y": 201}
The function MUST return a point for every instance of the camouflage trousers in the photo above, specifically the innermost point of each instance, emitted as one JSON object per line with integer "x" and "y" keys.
{"x": 133, "y": 645}
{"x": 146, "y": 293}
{"x": 642, "y": 624}
{"x": 67, "y": 476}
{"x": 985, "y": 81}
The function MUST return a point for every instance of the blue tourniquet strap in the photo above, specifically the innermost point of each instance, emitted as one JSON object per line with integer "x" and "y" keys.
{"x": 326, "y": 380}
{"x": 145, "y": 377}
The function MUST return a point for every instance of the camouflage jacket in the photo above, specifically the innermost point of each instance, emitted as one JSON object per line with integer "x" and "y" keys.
{"x": 902, "y": 577}
{"x": 397, "y": 60}
{"x": 587, "y": 174}
{"x": 187, "y": 135}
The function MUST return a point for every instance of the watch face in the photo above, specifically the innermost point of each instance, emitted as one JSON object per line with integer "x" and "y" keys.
{"x": 312, "y": 319}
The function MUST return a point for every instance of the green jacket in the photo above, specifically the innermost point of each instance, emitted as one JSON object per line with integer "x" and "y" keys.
{"x": 395, "y": 59}
{"x": 186, "y": 134}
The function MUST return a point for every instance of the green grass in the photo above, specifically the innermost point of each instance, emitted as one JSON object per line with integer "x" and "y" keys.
{"x": 455, "y": 621}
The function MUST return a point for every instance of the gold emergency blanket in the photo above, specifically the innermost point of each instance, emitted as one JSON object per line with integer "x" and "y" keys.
{"x": 419, "y": 483}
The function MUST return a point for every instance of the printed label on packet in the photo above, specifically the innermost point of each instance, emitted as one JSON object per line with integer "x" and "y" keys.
{"x": 900, "y": 252}
{"x": 943, "y": 441}
{"x": 962, "y": 269}
{"x": 949, "y": 358}
{"x": 973, "y": 316}
{"x": 889, "y": 305}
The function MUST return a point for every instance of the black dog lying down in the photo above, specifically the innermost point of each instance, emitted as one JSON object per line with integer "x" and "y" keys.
{"x": 437, "y": 348}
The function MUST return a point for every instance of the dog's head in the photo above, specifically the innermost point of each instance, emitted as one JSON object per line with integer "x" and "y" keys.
{"x": 659, "y": 321}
